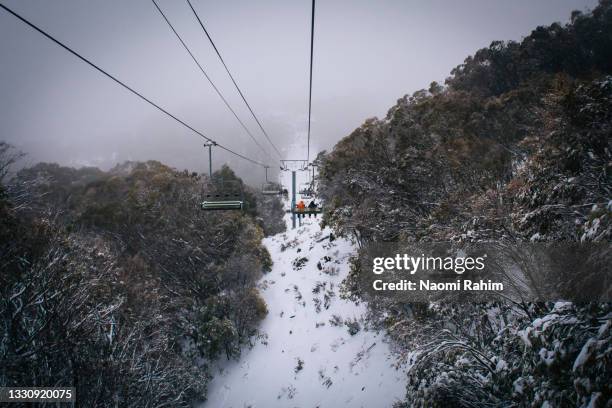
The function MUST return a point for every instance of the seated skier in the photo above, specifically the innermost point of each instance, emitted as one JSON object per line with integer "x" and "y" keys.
{"x": 312, "y": 207}
{"x": 300, "y": 207}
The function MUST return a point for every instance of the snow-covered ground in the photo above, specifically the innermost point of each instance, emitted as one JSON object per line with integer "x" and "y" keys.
{"x": 306, "y": 360}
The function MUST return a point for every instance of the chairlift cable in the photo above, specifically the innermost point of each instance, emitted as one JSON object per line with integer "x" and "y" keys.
{"x": 232, "y": 78}
{"x": 141, "y": 96}
{"x": 209, "y": 79}
{"x": 312, "y": 22}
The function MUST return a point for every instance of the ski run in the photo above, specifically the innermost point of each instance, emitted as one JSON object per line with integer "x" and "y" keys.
{"x": 315, "y": 351}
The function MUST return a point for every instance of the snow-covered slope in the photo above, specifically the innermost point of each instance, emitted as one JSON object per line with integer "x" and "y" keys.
{"x": 309, "y": 358}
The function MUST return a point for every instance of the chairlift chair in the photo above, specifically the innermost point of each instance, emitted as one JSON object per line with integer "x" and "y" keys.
{"x": 301, "y": 212}
{"x": 270, "y": 188}
{"x": 306, "y": 191}
{"x": 306, "y": 194}
{"x": 223, "y": 195}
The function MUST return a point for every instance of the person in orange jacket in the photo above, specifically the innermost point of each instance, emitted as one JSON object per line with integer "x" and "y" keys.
{"x": 300, "y": 207}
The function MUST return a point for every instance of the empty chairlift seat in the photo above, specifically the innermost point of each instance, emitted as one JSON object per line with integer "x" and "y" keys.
{"x": 223, "y": 195}
{"x": 306, "y": 191}
{"x": 271, "y": 189}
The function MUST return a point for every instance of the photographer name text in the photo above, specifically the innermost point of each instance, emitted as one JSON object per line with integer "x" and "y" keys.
{"x": 414, "y": 264}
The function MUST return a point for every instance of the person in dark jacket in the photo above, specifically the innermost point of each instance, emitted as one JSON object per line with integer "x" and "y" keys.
{"x": 312, "y": 206}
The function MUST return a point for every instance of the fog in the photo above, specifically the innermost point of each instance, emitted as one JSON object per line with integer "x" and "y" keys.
{"x": 367, "y": 54}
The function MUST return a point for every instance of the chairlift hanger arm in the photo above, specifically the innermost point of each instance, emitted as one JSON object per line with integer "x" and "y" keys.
{"x": 297, "y": 164}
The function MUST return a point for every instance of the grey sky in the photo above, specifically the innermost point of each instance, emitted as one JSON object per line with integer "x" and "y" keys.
{"x": 368, "y": 53}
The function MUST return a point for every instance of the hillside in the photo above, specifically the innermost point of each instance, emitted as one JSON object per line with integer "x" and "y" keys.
{"x": 514, "y": 148}
{"x": 118, "y": 284}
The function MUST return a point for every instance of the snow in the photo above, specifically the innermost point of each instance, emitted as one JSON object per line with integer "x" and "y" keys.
{"x": 584, "y": 354}
{"x": 562, "y": 306}
{"x": 501, "y": 366}
{"x": 518, "y": 386}
{"x": 524, "y": 335}
{"x": 547, "y": 356}
{"x": 604, "y": 327}
{"x": 542, "y": 323}
{"x": 304, "y": 363}
{"x": 595, "y": 400}
{"x": 535, "y": 237}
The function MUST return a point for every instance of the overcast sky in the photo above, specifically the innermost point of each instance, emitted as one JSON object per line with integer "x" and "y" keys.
{"x": 367, "y": 55}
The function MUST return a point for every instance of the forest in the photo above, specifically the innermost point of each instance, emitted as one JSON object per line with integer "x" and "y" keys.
{"x": 118, "y": 284}
{"x": 514, "y": 147}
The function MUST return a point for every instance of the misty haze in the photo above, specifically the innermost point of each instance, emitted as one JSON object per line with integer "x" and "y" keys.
{"x": 205, "y": 203}
{"x": 368, "y": 54}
